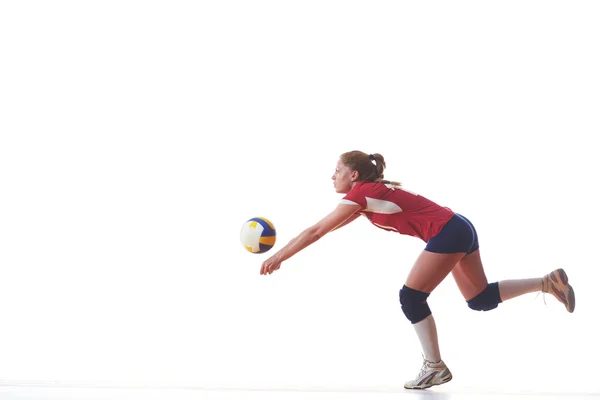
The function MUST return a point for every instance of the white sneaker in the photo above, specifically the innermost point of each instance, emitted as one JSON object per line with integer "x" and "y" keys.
{"x": 431, "y": 374}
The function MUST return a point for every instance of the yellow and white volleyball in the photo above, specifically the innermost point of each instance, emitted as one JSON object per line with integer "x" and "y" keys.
{"x": 258, "y": 235}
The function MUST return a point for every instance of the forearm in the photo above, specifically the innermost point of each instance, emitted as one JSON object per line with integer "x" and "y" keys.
{"x": 300, "y": 242}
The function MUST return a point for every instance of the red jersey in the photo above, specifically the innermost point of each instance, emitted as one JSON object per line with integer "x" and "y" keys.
{"x": 395, "y": 209}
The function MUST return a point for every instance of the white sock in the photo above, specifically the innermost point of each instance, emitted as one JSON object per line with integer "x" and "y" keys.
{"x": 427, "y": 333}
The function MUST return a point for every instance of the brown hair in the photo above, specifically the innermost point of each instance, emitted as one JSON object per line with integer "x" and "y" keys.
{"x": 363, "y": 163}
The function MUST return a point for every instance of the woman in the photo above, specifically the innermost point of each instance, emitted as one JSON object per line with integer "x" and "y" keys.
{"x": 451, "y": 246}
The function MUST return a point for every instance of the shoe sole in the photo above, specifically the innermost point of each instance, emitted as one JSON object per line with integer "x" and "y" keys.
{"x": 564, "y": 279}
{"x": 445, "y": 380}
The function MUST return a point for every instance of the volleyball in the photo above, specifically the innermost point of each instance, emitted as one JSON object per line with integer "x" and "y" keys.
{"x": 258, "y": 235}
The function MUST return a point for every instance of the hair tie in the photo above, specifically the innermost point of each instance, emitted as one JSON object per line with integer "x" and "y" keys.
{"x": 372, "y": 157}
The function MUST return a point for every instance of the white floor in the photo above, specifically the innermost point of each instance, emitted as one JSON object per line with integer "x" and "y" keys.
{"x": 132, "y": 393}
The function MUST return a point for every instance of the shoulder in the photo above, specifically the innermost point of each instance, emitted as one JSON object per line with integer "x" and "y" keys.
{"x": 368, "y": 186}
{"x": 356, "y": 195}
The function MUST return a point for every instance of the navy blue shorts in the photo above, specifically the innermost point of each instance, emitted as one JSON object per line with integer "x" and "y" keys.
{"x": 457, "y": 236}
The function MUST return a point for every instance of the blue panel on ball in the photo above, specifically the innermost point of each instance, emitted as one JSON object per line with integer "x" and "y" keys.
{"x": 264, "y": 247}
{"x": 268, "y": 231}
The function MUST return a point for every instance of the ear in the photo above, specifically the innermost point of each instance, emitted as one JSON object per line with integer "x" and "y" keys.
{"x": 354, "y": 176}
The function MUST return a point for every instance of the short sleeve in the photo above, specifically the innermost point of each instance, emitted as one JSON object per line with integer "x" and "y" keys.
{"x": 355, "y": 197}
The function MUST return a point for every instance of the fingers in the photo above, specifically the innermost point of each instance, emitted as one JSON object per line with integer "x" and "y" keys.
{"x": 268, "y": 268}
{"x": 264, "y": 270}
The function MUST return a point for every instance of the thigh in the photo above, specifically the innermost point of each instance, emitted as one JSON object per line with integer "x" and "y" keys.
{"x": 470, "y": 276}
{"x": 430, "y": 269}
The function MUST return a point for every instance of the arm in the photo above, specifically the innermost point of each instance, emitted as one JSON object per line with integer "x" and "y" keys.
{"x": 342, "y": 215}
{"x": 346, "y": 222}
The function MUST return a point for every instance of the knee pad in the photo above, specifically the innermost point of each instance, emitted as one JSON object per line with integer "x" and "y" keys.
{"x": 487, "y": 300}
{"x": 414, "y": 304}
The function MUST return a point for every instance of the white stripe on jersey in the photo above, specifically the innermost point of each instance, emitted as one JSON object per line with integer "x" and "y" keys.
{"x": 385, "y": 227}
{"x": 348, "y": 202}
{"x": 382, "y": 206}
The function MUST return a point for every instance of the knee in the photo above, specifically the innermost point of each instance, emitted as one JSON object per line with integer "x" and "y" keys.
{"x": 414, "y": 304}
{"x": 487, "y": 300}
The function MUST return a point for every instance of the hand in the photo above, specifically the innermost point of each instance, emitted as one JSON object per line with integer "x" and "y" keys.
{"x": 270, "y": 265}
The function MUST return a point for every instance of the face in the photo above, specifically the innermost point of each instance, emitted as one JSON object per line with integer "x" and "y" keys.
{"x": 343, "y": 178}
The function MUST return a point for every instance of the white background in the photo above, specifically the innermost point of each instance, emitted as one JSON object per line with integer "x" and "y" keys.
{"x": 137, "y": 137}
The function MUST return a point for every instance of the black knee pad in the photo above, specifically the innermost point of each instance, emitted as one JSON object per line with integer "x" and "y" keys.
{"x": 414, "y": 304}
{"x": 487, "y": 300}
